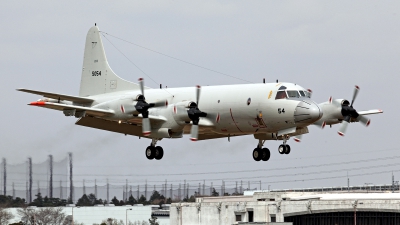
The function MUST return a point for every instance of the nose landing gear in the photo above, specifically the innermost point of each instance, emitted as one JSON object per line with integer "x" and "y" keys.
{"x": 284, "y": 148}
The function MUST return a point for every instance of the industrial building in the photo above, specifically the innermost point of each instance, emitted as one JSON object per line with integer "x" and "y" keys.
{"x": 297, "y": 208}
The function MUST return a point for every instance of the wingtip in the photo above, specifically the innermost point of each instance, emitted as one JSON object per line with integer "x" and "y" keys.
{"x": 297, "y": 140}
{"x": 37, "y": 103}
{"x": 341, "y": 133}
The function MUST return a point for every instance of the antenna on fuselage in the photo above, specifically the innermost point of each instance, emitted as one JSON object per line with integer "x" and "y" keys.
{"x": 277, "y": 81}
{"x": 264, "y": 80}
{"x": 160, "y": 86}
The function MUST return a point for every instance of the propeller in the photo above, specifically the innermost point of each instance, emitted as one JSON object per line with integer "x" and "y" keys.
{"x": 143, "y": 107}
{"x": 194, "y": 114}
{"x": 349, "y": 113}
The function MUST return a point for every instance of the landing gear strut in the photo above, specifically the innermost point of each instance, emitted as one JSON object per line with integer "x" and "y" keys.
{"x": 153, "y": 151}
{"x": 260, "y": 153}
{"x": 284, "y": 148}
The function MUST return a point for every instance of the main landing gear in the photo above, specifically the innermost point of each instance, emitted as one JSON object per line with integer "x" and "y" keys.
{"x": 153, "y": 151}
{"x": 260, "y": 153}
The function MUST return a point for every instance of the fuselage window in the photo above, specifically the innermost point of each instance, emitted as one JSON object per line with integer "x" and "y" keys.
{"x": 293, "y": 94}
{"x": 302, "y": 94}
{"x": 281, "y": 95}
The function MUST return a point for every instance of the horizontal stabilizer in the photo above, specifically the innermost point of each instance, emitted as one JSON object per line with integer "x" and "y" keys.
{"x": 61, "y": 107}
{"x": 60, "y": 97}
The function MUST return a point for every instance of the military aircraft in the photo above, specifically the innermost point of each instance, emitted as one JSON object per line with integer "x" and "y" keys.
{"x": 269, "y": 111}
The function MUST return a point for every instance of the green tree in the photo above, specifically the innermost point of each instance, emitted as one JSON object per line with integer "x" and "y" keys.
{"x": 38, "y": 201}
{"x": 214, "y": 192}
{"x": 142, "y": 200}
{"x": 115, "y": 201}
{"x": 84, "y": 201}
{"x": 132, "y": 200}
{"x": 156, "y": 195}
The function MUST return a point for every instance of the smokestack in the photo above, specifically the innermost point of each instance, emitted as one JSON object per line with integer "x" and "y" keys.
{"x": 71, "y": 185}
{"x": 61, "y": 194}
{"x": 95, "y": 188}
{"x": 51, "y": 175}
{"x": 108, "y": 192}
{"x": 30, "y": 180}
{"x": 5, "y": 176}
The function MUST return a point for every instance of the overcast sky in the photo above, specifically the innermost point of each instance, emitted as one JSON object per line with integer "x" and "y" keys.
{"x": 327, "y": 46}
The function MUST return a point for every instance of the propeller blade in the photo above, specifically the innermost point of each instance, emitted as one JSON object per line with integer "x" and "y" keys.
{"x": 141, "y": 85}
{"x": 146, "y": 130}
{"x": 356, "y": 90}
{"x": 364, "y": 120}
{"x": 298, "y": 138}
{"x": 343, "y": 128}
{"x": 194, "y": 132}
{"x": 197, "y": 94}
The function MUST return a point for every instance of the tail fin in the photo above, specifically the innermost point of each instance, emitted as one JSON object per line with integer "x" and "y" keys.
{"x": 97, "y": 76}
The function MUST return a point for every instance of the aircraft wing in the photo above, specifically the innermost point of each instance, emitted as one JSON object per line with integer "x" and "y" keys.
{"x": 101, "y": 124}
{"x": 56, "y": 96}
{"x": 372, "y": 111}
{"x": 61, "y": 107}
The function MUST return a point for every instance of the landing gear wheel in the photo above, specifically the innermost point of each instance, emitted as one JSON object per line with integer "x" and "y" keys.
{"x": 257, "y": 154}
{"x": 266, "y": 154}
{"x": 159, "y": 152}
{"x": 287, "y": 149}
{"x": 282, "y": 149}
{"x": 150, "y": 152}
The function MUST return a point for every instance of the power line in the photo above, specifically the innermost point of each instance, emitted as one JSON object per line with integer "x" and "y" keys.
{"x": 175, "y": 58}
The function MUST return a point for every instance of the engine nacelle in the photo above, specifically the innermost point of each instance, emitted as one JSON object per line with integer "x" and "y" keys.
{"x": 332, "y": 111}
{"x": 180, "y": 113}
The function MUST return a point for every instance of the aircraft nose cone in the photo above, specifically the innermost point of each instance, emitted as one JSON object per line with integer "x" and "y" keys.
{"x": 307, "y": 112}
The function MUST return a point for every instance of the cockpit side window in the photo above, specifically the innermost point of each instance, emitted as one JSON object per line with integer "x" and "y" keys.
{"x": 281, "y": 95}
{"x": 302, "y": 94}
{"x": 293, "y": 94}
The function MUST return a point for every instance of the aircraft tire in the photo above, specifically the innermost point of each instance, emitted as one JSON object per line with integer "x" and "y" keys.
{"x": 150, "y": 152}
{"x": 282, "y": 149}
{"x": 257, "y": 154}
{"x": 266, "y": 154}
{"x": 159, "y": 152}
{"x": 287, "y": 149}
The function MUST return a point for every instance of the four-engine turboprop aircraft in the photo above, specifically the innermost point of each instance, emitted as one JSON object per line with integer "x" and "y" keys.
{"x": 269, "y": 111}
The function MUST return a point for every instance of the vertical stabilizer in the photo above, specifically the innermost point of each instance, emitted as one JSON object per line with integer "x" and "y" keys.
{"x": 97, "y": 76}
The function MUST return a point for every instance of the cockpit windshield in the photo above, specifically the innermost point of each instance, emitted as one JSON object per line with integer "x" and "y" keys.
{"x": 292, "y": 94}
{"x": 281, "y": 95}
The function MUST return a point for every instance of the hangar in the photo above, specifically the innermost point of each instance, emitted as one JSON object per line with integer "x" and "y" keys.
{"x": 297, "y": 208}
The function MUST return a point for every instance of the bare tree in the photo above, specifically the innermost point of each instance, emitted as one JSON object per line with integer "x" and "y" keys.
{"x": 5, "y": 216}
{"x": 42, "y": 216}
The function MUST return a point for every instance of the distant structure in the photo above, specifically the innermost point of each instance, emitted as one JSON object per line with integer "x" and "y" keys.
{"x": 71, "y": 185}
